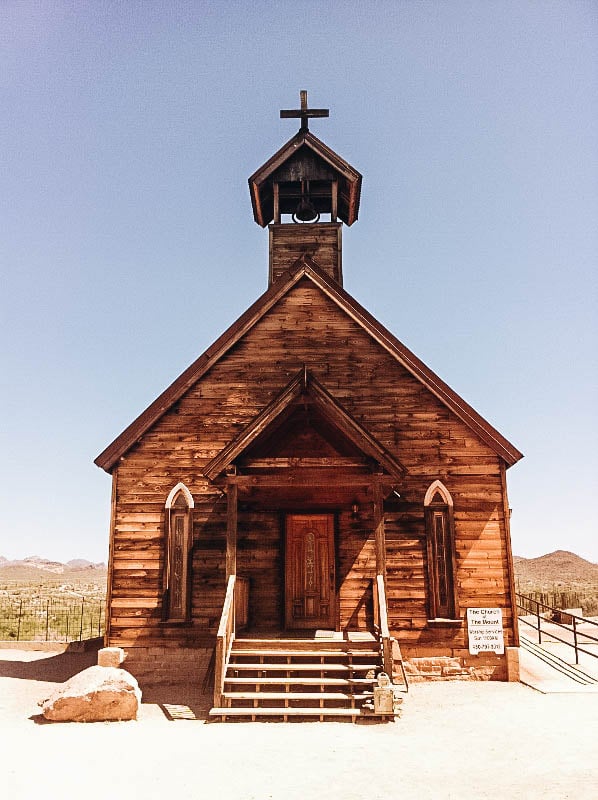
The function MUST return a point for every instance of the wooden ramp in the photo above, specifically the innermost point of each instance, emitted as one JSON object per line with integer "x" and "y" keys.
{"x": 318, "y": 678}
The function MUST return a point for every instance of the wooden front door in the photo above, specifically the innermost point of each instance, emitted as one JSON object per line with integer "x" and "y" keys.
{"x": 309, "y": 571}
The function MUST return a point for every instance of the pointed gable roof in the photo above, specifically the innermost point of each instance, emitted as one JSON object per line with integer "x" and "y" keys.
{"x": 304, "y": 384}
{"x": 349, "y": 180}
{"x": 306, "y": 268}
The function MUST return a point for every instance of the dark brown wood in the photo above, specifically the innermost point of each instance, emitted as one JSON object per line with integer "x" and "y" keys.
{"x": 509, "y": 554}
{"x": 241, "y": 604}
{"x": 275, "y": 190}
{"x": 379, "y": 534}
{"x": 305, "y": 388}
{"x": 304, "y": 113}
{"x": 109, "y": 579}
{"x": 305, "y": 146}
{"x": 308, "y": 477}
{"x": 231, "y": 530}
{"x": 345, "y": 303}
{"x": 309, "y": 571}
{"x": 321, "y": 241}
{"x": 308, "y": 407}
{"x": 441, "y": 562}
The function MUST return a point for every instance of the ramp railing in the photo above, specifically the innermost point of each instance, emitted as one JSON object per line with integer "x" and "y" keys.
{"x": 545, "y": 624}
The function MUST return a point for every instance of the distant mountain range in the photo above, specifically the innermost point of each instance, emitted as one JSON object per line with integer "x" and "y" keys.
{"x": 560, "y": 567}
{"x": 46, "y": 565}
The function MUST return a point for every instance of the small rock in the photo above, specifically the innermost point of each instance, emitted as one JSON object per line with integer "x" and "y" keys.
{"x": 111, "y": 656}
{"x": 97, "y": 694}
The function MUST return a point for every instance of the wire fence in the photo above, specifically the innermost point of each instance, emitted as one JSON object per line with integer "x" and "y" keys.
{"x": 584, "y": 598}
{"x": 51, "y": 620}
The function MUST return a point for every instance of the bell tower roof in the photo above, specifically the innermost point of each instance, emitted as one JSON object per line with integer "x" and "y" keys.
{"x": 305, "y": 179}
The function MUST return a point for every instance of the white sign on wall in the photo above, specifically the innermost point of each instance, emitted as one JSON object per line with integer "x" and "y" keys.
{"x": 484, "y": 626}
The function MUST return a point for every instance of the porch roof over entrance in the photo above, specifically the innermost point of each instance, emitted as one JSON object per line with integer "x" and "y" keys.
{"x": 305, "y": 387}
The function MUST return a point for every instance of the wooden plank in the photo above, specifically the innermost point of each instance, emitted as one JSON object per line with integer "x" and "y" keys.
{"x": 379, "y": 535}
{"x": 231, "y": 530}
{"x": 509, "y": 553}
{"x": 110, "y": 578}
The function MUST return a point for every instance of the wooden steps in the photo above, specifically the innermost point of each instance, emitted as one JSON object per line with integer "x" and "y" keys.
{"x": 298, "y": 678}
{"x": 284, "y": 713}
{"x": 282, "y": 666}
{"x": 292, "y": 696}
{"x": 307, "y": 681}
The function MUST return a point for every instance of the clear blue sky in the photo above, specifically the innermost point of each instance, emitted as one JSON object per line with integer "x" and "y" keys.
{"x": 127, "y": 241}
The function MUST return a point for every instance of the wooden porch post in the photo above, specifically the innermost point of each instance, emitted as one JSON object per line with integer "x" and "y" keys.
{"x": 380, "y": 602}
{"x": 379, "y": 532}
{"x": 231, "y": 531}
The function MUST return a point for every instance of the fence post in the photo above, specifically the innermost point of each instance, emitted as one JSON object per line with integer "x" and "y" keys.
{"x": 81, "y": 625}
{"x": 19, "y": 621}
{"x": 539, "y": 625}
{"x": 47, "y": 617}
{"x": 575, "y": 640}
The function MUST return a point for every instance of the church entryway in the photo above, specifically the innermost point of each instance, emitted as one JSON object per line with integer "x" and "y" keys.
{"x": 309, "y": 571}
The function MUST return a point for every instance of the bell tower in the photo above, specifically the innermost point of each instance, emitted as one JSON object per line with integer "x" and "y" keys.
{"x": 304, "y": 193}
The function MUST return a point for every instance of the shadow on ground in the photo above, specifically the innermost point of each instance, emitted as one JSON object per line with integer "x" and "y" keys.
{"x": 176, "y": 701}
{"x": 53, "y": 667}
{"x": 181, "y": 701}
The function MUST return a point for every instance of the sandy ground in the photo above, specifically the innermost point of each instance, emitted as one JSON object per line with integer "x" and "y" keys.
{"x": 454, "y": 740}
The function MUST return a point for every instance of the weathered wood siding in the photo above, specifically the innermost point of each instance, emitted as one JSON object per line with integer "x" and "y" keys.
{"x": 320, "y": 241}
{"x": 305, "y": 327}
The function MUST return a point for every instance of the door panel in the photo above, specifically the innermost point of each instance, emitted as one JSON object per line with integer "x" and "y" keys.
{"x": 309, "y": 571}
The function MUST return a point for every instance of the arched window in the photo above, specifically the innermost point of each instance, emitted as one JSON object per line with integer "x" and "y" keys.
{"x": 178, "y": 544}
{"x": 440, "y": 543}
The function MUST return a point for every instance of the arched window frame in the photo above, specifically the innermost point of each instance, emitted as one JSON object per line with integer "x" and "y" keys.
{"x": 177, "y": 567}
{"x": 440, "y": 548}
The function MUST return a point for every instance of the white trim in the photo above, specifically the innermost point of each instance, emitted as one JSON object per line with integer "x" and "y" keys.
{"x": 180, "y": 487}
{"x": 437, "y": 486}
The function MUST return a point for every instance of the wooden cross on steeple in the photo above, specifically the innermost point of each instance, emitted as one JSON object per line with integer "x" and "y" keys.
{"x": 304, "y": 113}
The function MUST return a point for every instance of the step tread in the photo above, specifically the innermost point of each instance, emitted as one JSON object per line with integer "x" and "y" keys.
{"x": 309, "y": 643}
{"x": 305, "y": 653}
{"x": 296, "y": 696}
{"x": 279, "y": 712}
{"x": 330, "y": 667}
{"x": 282, "y": 681}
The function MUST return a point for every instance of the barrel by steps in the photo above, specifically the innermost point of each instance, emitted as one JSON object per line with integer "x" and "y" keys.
{"x": 298, "y": 679}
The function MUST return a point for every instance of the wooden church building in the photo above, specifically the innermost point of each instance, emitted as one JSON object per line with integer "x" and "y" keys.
{"x": 308, "y": 503}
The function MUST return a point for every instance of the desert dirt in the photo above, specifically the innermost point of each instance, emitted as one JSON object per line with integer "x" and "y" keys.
{"x": 454, "y": 740}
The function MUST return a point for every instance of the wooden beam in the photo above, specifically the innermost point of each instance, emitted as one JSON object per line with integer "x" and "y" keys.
{"x": 310, "y": 478}
{"x": 276, "y": 204}
{"x": 231, "y": 529}
{"x": 510, "y": 567}
{"x": 334, "y": 202}
{"x": 379, "y": 532}
{"x": 108, "y": 607}
{"x": 326, "y": 462}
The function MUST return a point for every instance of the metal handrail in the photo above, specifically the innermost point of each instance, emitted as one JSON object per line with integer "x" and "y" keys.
{"x": 552, "y": 635}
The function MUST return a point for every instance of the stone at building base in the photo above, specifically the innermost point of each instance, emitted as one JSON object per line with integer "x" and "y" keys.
{"x": 437, "y": 668}
{"x": 97, "y": 694}
{"x": 111, "y": 656}
{"x": 423, "y": 664}
{"x": 170, "y": 666}
{"x": 512, "y": 654}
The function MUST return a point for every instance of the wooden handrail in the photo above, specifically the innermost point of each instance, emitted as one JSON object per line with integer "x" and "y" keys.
{"x": 382, "y": 609}
{"x": 382, "y": 613}
{"x": 224, "y": 640}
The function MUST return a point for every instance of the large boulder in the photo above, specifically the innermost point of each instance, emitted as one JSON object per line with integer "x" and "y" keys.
{"x": 97, "y": 694}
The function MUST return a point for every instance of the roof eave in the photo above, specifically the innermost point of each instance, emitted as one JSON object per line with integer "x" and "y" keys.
{"x": 306, "y": 267}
